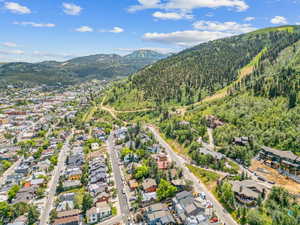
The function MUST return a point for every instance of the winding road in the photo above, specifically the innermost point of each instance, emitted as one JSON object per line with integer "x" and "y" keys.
{"x": 220, "y": 211}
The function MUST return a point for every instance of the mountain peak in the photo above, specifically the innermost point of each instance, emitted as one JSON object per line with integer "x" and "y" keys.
{"x": 145, "y": 53}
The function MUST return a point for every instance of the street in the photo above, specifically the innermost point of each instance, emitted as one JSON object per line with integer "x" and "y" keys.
{"x": 118, "y": 177}
{"x": 220, "y": 211}
{"x": 54, "y": 181}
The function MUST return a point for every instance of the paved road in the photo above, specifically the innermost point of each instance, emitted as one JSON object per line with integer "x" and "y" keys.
{"x": 220, "y": 211}
{"x": 54, "y": 181}
{"x": 124, "y": 208}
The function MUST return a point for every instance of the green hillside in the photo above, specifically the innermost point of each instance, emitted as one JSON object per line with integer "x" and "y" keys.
{"x": 193, "y": 74}
{"x": 262, "y": 103}
{"x": 101, "y": 66}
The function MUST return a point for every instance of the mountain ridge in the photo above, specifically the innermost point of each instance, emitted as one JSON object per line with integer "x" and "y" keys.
{"x": 100, "y": 66}
{"x": 195, "y": 73}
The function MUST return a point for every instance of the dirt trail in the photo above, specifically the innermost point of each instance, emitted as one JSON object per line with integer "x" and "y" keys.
{"x": 247, "y": 70}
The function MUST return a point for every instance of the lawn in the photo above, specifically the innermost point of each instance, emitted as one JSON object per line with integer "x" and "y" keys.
{"x": 209, "y": 178}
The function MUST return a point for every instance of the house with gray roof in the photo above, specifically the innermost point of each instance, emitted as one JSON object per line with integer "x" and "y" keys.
{"x": 247, "y": 192}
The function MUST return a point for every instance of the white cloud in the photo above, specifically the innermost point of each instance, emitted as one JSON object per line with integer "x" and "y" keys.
{"x": 145, "y": 4}
{"x": 298, "y": 23}
{"x": 188, "y": 5}
{"x": 204, "y": 31}
{"x": 10, "y": 44}
{"x": 113, "y": 30}
{"x": 117, "y": 30}
{"x": 33, "y": 24}
{"x": 171, "y": 15}
{"x": 249, "y": 18}
{"x": 84, "y": 29}
{"x": 12, "y": 52}
{"x": 16, "y": 8}
{"x": 71, "y": 9}
{"x": 279, "y": 20}
{"x": 229, "y": 27}
{"x": 185, "y": 38}
{"x": 52, "y": 55}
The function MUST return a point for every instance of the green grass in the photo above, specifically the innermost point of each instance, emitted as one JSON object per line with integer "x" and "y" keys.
{"x": 209, "y": 178}
{"x": 132, "y": 100}
{"x": 234, "y": 165}
{"x": 257, "y": 58}
{"x": 289, "y": 29}
{"x": 114, "y": 211}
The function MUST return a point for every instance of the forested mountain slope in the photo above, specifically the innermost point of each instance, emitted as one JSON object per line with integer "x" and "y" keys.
{"x": 195, "y": 73}
{"x": 263, "y": 105}
{"x": 100, "y": 66}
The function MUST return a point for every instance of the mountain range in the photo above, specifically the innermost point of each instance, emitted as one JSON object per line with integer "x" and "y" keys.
{"x": 100, "y": 66}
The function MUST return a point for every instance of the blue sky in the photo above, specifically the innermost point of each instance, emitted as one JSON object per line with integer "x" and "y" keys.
{"x": 37, "y": 30}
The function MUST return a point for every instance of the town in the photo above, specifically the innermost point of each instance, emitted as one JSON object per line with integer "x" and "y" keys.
{"x": 64, "y": 162}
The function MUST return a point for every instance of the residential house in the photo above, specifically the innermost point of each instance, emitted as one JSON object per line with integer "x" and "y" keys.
{"x": 37, "y": 182}
{"x": 242, "y": 141}
{"x": 22, "y": 169}
{"x": 67, "y": 196}
{"x": 149, "y": 185}
{"x": 190, "y": 211}
{"x": 24, "y": 195}
{"x": 103, "y": 197}
{"x": 99, "y": 177}
{"x": 162, "y": 161}
{"x": 215, "y": 155}
{"x": 248, "y": 191}
{"x": 214, "y": 122}
{"x": 68, "y": 213}
{"x": 74, "y": 220}
{"x": 75, "y": 160}
{"x": 21, "y": 220}
{"x": 95, "y": 146}
{"x": 65, "y": 205}
{"x": 70, "y": 184}
{"x": 133, "y": 184}
{"x": 73, "y": 173}
{"x": 97, "y": 188}
{"x": 98, "y": 213}
{"x": 158, "y": 214}
{"x": 179, "y": 184}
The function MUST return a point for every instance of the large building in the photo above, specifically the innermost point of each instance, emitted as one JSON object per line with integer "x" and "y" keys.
{"x": 285, "y": 162}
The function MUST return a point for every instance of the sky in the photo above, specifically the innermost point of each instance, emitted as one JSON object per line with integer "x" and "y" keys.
{"x": 38, "y": 30}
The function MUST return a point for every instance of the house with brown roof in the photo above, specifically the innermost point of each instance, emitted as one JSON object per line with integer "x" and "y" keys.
{"x": 73, "y": 220}
{"x": 69, "y": 213}
{"x": 103, "y": 197}
{"x": 149, "y": 185}
{"x": 133, "y": 184}
{"x": 162, "y": 161}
